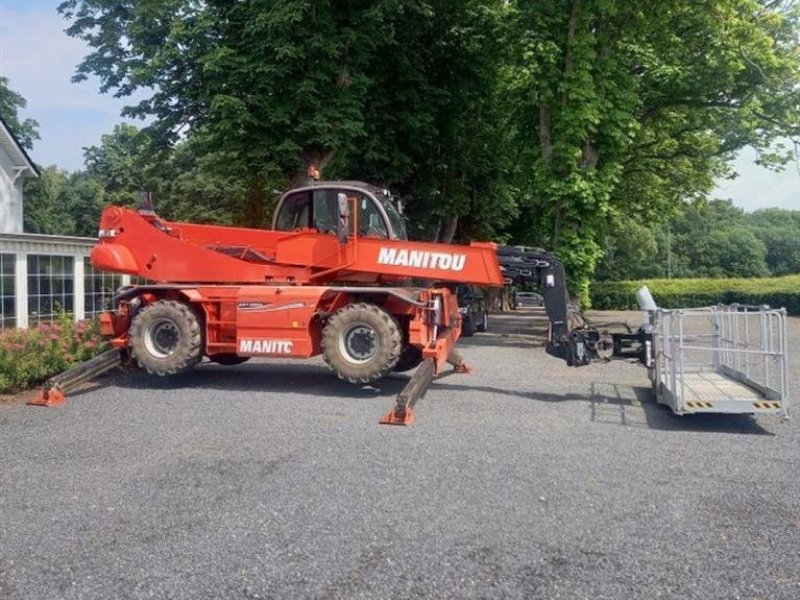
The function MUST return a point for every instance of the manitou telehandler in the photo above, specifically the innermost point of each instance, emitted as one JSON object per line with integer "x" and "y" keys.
{"x": 332, "y": 276}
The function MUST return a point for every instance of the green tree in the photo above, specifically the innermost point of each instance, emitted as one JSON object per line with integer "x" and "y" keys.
{"x": 120, "y": 162}
{"x": 10, "y": 104}
{"x": 629, "y": 108}
{"x": 435, "y": 128}
{"x": 274, "y": 85}
{"x": 631, "y": 252}
{"x": 49, "y": 203}
{"x": 779, "y": 230}
{"x": 88, "y": 198}
{"x": 712, "y": 239}
{"x": 187, "y": 183}
{"x": 394, "y": 92}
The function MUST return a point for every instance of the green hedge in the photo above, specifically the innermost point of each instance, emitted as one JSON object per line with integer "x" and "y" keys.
{"x": 688, "y": 293}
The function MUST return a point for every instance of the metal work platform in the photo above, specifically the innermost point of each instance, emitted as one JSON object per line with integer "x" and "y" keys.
{"x": 721, "y": 359}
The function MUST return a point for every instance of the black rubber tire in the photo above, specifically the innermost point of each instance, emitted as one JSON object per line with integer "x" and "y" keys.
{"x": 228, "y": 359}
{"x": 467, "y": 328}
{"x": 409, "y": 359}
{"x": 379, "y": 335}
{"x": 484, "y": 324}
{"x": 166, "y": 338}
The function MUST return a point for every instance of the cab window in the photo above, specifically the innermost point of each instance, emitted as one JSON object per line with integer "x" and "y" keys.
{"x": 370, "y": 220}
{"x": 325, "y": 210}
{"x": 319, "y": 209}
{"x": 295, "y": 212}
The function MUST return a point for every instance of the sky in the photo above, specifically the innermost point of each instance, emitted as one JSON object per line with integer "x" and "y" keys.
{"x": 39, "y": 58}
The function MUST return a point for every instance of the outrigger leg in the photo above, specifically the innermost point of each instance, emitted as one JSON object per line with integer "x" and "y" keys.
{"x": 54, "y": 390}
{"x": 403, "y": 412}
{"x": 459, "y": 365}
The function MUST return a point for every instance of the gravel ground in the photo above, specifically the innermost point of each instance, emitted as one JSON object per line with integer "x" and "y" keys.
{"x": 526, "y": 479}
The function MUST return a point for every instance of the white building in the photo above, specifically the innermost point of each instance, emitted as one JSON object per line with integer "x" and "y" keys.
{"x": 41, "y": 275}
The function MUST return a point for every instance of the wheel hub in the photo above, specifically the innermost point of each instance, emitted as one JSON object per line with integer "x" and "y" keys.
{"x": 161, "y": 338}
{"x": 359, "y": 343}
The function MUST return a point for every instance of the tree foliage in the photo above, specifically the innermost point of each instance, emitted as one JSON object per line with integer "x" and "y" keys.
{"x": 185, "y": 183}
{"x": 399, "y": 93}
{"x": 26, "y": 131}
{"x": 629, "y": 108}
{"x": 558, "y": 123}
{"x": 706, "y": 239}
{"x": 779, "y": 231}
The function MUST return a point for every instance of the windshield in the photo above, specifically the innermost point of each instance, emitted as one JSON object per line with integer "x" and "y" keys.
{"x": 395, "y": 219}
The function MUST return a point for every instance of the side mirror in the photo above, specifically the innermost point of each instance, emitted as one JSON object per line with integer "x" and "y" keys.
{"x": 343, "y": 220}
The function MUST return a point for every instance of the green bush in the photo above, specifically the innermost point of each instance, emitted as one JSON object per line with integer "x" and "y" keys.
{"x": 29, "y": 357}
{"x": 689, "y": 293}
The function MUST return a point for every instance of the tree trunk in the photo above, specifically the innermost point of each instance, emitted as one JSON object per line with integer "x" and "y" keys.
{"x": 589, "y": 156}
{"x": 569, "y": 62}
{"x": 449, "y": 231}
{"x": 254, "y": 209}
{"x": 546, "y": 133}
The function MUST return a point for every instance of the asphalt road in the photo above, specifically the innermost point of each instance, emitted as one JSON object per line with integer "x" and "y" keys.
{"x": 526, "y": 479}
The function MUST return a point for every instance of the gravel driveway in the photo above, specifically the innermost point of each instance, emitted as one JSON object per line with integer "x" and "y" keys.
{"x": 527, "y": 479}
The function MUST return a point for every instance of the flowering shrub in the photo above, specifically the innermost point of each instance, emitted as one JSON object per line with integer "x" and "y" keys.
{"x": 29, "y": 357}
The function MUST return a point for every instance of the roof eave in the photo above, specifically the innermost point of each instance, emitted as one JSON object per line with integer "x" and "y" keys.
{"x": 19, "y": 155}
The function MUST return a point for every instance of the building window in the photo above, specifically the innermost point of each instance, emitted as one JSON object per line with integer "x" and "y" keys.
{"x": 8, "y": 316}
{"x": 99, "y": 288}
{"x": 51, "y": 287}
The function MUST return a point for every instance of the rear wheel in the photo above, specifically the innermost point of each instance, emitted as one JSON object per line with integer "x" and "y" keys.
{"x": 361, "y": 343}
{"x": 166, "y": 338}
{"x": 467, "y": 327}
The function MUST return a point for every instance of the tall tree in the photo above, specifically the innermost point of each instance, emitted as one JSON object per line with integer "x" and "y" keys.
{"x": 434, "y": 125}
{"x": 274, "y": 85}
{"x": 712, "y": 239}
{"x": 26, "y": 131}
{"x": 396, "y": 92}
{"x": 628, "y": 108}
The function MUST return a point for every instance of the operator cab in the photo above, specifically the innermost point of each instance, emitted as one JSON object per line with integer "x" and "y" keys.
{"x": 317, "y": 207}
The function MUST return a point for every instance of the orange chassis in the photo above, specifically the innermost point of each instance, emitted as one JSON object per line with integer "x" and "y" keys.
{"x": 287, "y": 321}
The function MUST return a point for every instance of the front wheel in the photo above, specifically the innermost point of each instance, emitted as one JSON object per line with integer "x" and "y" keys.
{"x": 166, "y": 338}
{"x": 361, "y": 343}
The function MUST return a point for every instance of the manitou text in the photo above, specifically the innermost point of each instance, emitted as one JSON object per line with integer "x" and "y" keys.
{"x": 247, "y": 346}
{"x": 422, "y": 259}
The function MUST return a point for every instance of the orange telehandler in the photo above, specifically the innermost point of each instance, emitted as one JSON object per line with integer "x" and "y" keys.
{"x": 332, "y": 277}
